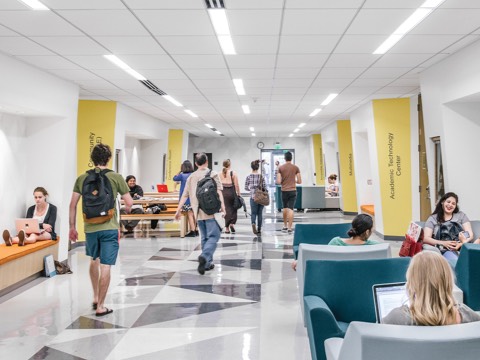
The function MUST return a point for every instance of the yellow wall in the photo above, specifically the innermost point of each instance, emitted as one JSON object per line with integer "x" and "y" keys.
{"x": 318, "y": 159}
{"x": 95, "y": 124}
{"x": 174, "y": 156}
{"x": 347, "y": 170}
{"x": 392, "y": 131}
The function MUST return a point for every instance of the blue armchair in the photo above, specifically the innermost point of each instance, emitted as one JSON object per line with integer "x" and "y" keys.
{"x": 467, "y": 271}
{"x": 317, "y": 234}
{"x": 339, "y": 292}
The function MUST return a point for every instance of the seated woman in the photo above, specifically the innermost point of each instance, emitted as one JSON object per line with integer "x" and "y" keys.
{"x": 362, "y": 228}
{"x": 46, "y": 214}
{"x": 332, "y": 188}
{"x": 136, "y": 192}
{"x": 446, "y": 212}
{"x": 430, "y": 294}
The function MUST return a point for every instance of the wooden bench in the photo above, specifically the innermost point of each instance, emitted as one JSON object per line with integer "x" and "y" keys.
{"x": 20, "y": 264}
{"x": 168, "y": 215}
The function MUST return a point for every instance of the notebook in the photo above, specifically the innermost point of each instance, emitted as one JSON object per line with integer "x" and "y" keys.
{"x": 28, "y": 225}
{"x": 387, "y": 297}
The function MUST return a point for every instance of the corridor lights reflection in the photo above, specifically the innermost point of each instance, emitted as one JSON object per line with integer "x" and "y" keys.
{"x": 247, "y": 344}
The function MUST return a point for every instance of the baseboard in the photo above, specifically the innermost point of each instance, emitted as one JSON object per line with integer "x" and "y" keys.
{"x": 350, "y": 213}
{"x": 19, "y": 284}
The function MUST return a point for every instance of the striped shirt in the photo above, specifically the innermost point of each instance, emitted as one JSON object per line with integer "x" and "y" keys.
{"x": 252, "y": 181}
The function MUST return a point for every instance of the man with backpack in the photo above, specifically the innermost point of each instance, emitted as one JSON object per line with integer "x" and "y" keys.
{"x": 99, "y": 188}
{"x": 204, "y": 189}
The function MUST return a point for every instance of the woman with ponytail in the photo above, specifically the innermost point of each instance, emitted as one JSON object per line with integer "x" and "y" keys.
{"x": 361, "y": 230}
{"x": 230, "y": 191}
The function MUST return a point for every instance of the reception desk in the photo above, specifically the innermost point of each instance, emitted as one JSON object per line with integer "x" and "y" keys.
{"x": 309, "y": 197}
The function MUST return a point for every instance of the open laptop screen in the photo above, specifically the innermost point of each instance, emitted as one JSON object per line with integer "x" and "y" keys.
{"x": 388, "y": 297}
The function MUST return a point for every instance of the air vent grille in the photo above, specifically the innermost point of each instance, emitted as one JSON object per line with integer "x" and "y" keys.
{"x": 153, "y": 87}
{"x": 215, "y": 4}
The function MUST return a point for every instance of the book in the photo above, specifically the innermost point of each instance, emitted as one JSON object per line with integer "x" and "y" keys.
{"x": 415, "y": 231}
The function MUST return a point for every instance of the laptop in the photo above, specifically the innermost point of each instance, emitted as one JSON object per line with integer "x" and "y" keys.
{"x": 387, "y": 297}
{"x": 28, "y": 225}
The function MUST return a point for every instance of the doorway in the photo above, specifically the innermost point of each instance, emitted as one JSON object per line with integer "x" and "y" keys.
{"x": 210, "y": 161}
{"x": 269, "y": 159}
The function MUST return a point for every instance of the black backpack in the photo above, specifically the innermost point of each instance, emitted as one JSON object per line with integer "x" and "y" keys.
{"x": 97, "y": 197}
{"x": 448, "y": 231}
{"x": 207, "y": 196}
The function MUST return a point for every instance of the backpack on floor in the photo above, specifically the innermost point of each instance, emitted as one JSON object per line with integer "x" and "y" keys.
{"x": 207, "y": 195}
{"x": 97, "y": 197}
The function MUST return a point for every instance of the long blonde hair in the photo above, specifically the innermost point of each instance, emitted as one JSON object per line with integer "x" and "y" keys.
{"x": 430, "y": 290}
{"x": 226, "y": 165}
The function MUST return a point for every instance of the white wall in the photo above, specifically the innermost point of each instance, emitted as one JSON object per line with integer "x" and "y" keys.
{"x": 39, "y": 148}
{"x": 242, "y": 151}
{"x": 450, "y": 96}
{"x": 330, "y": 149}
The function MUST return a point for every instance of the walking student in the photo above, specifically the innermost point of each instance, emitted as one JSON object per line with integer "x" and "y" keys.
{"x": 101, "y": 228}
{"x": 288, "y": 176}
{"x": 208, "y": 226}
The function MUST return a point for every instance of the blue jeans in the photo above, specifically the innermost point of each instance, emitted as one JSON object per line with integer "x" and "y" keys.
{"x": 256, "y": 213}
{"x": 210, "y": 234}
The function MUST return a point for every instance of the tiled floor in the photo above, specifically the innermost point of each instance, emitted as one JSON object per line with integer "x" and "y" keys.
{"x": 246, "y": 308}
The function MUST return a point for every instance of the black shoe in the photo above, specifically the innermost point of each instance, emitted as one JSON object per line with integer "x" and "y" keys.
{"x": 201, "y": 265}
{"x": 191, "y": 234}
{"x": 211, "y": 267}
{"x": 196, "y": 233}
{"x": 232, "y": 229}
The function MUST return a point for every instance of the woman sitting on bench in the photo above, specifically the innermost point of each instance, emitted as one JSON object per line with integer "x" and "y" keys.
{"x": 46, "y": 214}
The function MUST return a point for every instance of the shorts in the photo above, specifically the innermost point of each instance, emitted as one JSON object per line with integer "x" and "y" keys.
{"x": 104, "y": 245}
{"x": 288, "y": 199}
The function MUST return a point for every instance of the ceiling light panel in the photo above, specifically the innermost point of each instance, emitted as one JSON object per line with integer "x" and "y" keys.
{"x": 34, "y": 4}
{"x": 246, "y": 109}
{"x": 239, "y": 86}
{"x": 125, "y": 67}
{"x": 329, "y": 99}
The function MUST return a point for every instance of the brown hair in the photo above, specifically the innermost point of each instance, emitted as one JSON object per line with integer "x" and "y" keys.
{"x": 42, "y": 190}
{"x": 333, "y": 177}
{"x": 226, "y": 165}
{"x": 255, "y": 164}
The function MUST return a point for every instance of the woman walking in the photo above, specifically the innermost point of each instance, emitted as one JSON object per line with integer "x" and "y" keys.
{"x": 251, "y": 183}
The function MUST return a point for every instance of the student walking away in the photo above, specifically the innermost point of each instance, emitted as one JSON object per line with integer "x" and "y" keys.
{"x": 204, "y": 189}
{"x": 136, "y": 192}
{"x": 288, "y": 176}
{"x": 185, "y": 171}
{"x": 45, "y": 213}
{"x": 230, "y": 191}
{"x": 99, "y": 189}
{"x": 252, "y": 182}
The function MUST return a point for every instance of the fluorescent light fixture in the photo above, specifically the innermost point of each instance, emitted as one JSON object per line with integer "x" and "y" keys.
{"x": 329, "y": 99}
{"x": 124, "y": 67}
{"x": 218, "y": 132}
{"x": 413, "y": 20}
{"x": 239, "y": 86}
{"x": 209, "y": 126}
{"x": 246, "y": 109}
{"x": 251, "y": 127}
{"x": 172, "y": 100}
{"x": 296, "y": 130}
{"x": 226, "y": 43}
{"x": 219, "y": 21}
{"x": 290, "y": 135}
{"x": 253, "y": 134}
{"x": 301, "y": 125}
{"x": 315, "y": 112}
{"x": 35, "y": 4}
{"x": 191, "y": 113}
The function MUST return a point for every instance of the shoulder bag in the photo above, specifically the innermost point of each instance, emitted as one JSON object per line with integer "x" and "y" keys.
{"x": 260, "y": 196}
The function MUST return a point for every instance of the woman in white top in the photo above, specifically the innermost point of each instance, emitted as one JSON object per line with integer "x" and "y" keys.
{"x": 46, "y": 214}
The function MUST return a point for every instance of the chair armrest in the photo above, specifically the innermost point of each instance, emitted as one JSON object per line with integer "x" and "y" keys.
{"x": 332, "y": 348}
{"x": 321, "y": 325}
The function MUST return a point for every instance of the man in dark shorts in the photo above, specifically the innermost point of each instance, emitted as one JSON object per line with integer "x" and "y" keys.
{"x": 102, "y": 239}
{"x": 288, "y": 176}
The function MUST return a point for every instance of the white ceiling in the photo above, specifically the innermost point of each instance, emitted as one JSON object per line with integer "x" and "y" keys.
{"x": 290, "y": 54}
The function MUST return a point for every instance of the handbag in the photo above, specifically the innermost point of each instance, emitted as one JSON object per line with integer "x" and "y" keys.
{"x": 238, "y": 201}
{"x": 260, "y": 196}
{"x": 410, "y": 247}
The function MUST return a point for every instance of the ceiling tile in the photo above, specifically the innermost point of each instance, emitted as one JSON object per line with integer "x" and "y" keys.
{"x": 210, "y": 83}
{"x": 252, "y": 73}
{"x": 359, "y": 44}
{"x": 204, "y": 45}
{"x": 465, "y": 41}
{"x": 323, "y": 4}
{"x": 15, "y": 45}
{"x": 83, "y": 4}
{"x": 403, "y": 4}
{"x": 460, "y": 4}
{"x": 254, "y": 4}
{"x": 155, "y": 4}
{"x": 199, "y": 61}
{"x": 206, "y": 74}
{"x": 249, "y": 45}
{"x": 105, "y": 22}
{"x": 378, "y": 21}
{"x": 139, "y": 62}
{"x": 307, "y": 60}
{"x": 164, "y": 73}
{"x": 401, "y": 60}
{"x": 173, "y": 22}
{"x": 384, "y": 72}
{"x": 332, "y": 83}
{"x": 250, "y": 61}
{"x": 254, "y": 22}
{"x": 37, "y": 23}
{"x": 71, "y": 45}
{"x": 351, "y": 60}
{"x": 7, "y": 32}
{"x": 316, "y": 22}
{"x": 428, "y": 44}
{"x": 341, "y": 73}
{"x": 308, "y": 44}
{"x": 49, "y": 62}
{"x": 138, "y": 45}
{"x": 76, "y": 74}
{"x": 294, "y": 73}
{"x": 451, "y": 21}
{"x": 371, "y": 82}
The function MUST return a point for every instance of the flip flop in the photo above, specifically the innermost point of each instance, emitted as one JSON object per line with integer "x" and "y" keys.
{"x": 94, "y": 306}
{"x": 108, "y": 311}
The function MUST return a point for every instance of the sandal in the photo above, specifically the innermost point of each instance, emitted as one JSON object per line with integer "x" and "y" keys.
{"x": 7, "y": 238}
{"x": 21, "y": 238}
{"x": 232, "y": 229}
{"x": 106, "y": 312}
{"x": 227, "y": 232}
{"x": 94, "y": 306}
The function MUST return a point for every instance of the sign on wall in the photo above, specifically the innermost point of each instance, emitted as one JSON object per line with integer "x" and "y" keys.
{"x": 347, "y": 170}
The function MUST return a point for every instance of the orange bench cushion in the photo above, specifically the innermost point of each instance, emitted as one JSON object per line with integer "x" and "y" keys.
{"x": 9, "y": 253}
{"x": 368, "y": 209}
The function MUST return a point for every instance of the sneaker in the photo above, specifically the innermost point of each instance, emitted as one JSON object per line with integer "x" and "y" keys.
{"x": 191, "y": 234}
{"x": 254, "y": 229}
{"x": 7, "y": 238}
{"x": 21, "y": 238}
{"x": 259, "y": 231}
{"x": 211, "y": 267}
{"x": 201, "y": 265}
{"x": 290, "y": 231}
{"x": 196, "y": 233}
{"x": 284, "y": 229}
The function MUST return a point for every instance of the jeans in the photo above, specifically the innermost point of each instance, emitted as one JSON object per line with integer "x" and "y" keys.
{"x": 256, "y": 213}
{"x": 210, "y": 234}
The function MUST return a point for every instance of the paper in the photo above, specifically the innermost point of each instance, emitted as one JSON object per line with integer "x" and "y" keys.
{"x": 415, "y": 231}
